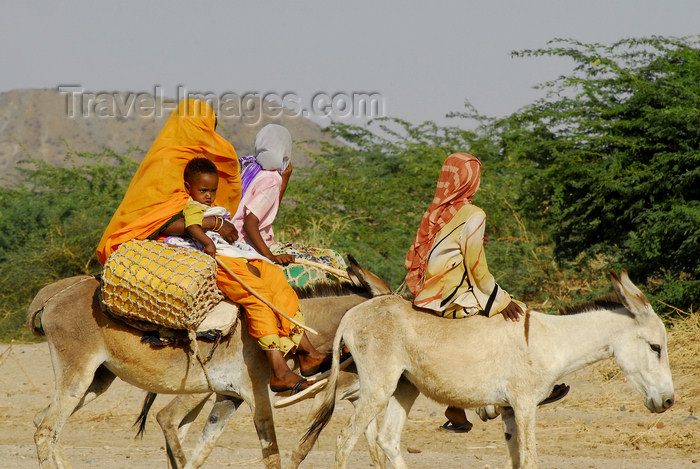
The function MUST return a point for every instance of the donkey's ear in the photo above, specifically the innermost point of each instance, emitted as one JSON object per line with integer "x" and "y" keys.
{"x": 374, "y": 284}
{"x": 629, "y": 295}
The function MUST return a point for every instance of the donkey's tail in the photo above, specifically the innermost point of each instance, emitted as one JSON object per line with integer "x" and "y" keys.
{"x": 45, "y": 295}
{"x": 32, "y": 325}
{"x": 141, "y": 420}
{"x": 325, "y": 411}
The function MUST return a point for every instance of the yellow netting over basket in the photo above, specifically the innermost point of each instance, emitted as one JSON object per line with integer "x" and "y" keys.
{"x": 162, "y": 284}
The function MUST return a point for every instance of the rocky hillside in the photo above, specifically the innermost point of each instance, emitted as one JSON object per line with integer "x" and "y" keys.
{"x": 37, "y": 124}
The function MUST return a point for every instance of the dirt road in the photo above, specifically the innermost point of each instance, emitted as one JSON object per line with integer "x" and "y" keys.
{"x": 602, "y": 423}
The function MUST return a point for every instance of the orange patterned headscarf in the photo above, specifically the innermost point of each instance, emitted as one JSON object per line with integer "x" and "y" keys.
{"x": 157, "y": 190}
{"x": 458, "y": 182}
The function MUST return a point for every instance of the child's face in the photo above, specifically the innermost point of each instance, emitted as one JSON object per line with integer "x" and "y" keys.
{"x": 203, "y": 188}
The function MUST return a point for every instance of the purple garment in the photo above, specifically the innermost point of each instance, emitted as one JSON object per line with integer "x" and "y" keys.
{"x": 249, "y": 169}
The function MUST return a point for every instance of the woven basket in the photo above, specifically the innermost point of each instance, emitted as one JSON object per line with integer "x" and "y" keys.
{"x": 162, "y": 284}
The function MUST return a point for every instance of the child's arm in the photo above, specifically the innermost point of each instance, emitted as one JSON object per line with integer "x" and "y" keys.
{"x": 196, "y": 232}
{"x": 227, "y": 230}
{"x": 252, "y": 232}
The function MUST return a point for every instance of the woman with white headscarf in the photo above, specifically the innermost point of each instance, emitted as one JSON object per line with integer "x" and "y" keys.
{"x": 264, "y": 178}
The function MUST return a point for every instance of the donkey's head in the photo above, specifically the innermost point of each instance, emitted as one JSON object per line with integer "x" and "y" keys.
{"x": 641, "y": 351}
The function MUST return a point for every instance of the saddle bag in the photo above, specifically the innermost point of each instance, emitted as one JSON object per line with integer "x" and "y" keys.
{"x": 161, "y": 284}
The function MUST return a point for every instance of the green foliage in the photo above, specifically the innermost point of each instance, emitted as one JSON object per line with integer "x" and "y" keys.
{"x": 613, "y": 156}
{"x": 603, "y": 172}
{"x": 51, "y": 223}
{"x": 377, "y": 188}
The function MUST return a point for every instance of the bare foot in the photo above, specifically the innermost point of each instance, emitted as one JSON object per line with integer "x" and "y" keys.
{"x": 312, "y": 363}
{"x": 282, "y": 378}
{"x": 288, "y": 381}
{"x": 310, "y": 359}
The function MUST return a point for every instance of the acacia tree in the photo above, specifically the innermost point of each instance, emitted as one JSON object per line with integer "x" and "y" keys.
{"x": 367, "y": 197}
{"x": 613, "y": 158}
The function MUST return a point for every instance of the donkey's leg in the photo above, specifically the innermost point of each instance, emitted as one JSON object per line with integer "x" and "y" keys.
{"x": 58, "y": 456}
{"x": 174, "y": 420}
{"x": 525, "y": 421}
{"x": 220, "y": 414}
{"x": 348, "y": 388}
{"x": 376, "y": 389}
{"x": 378, "y": 378}
{"x": 304, "y": 447}
{"x": 375, "y": 451}
{"x": 100, "y": 383}
{"x": 183, "y": 427}
{"x": 102, "y": 380}
{"x": 265, "y": 428}
{"x": 257, "y": 396}
{"x": 366, "y": 411}
{"x": 394, "y": 420}
{"x": 72, "y": 386}
{"x": 510, "y": 431}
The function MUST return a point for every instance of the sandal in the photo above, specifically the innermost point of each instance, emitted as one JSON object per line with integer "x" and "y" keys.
{"x": 558, "y": 392}
{"x": 452, "y": 428}
{"x": 491, "y": 412}
{"x": 296, "y": 394}
{"x": 289, "y": 390}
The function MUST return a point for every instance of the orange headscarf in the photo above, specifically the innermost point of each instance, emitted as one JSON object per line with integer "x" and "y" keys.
{"x": 458, "y": 182}
{"x": 157, "y": 190}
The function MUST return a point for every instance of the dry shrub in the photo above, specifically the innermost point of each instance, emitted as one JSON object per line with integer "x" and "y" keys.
{"x": 654, "y": 438}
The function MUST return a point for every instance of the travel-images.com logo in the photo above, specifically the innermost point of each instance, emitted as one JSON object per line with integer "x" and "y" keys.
{"x": 249, "y": 107}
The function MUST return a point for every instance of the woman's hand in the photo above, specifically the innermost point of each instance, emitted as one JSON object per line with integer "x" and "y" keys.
{"x": 283, "y": 259}
{"x": 228, "y": 231}
{"x": 512, "y": 312}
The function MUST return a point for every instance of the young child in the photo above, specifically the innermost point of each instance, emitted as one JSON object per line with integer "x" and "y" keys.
{"x": 201, "y": 183}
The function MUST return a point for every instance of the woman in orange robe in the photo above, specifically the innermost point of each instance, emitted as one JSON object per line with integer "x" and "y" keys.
{"x": 153, "y": 205}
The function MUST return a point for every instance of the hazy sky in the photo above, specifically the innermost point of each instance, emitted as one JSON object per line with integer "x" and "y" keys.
{"x": 424, "y": 58}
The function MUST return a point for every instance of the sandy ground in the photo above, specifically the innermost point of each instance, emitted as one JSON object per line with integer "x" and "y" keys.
{"x": 601, "y": 424}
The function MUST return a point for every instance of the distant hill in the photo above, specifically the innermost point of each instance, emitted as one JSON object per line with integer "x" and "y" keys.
{"x": 35, "y": 123}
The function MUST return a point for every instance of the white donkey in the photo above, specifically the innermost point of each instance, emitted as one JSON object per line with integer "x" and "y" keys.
{"x": 483, "y": 361}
